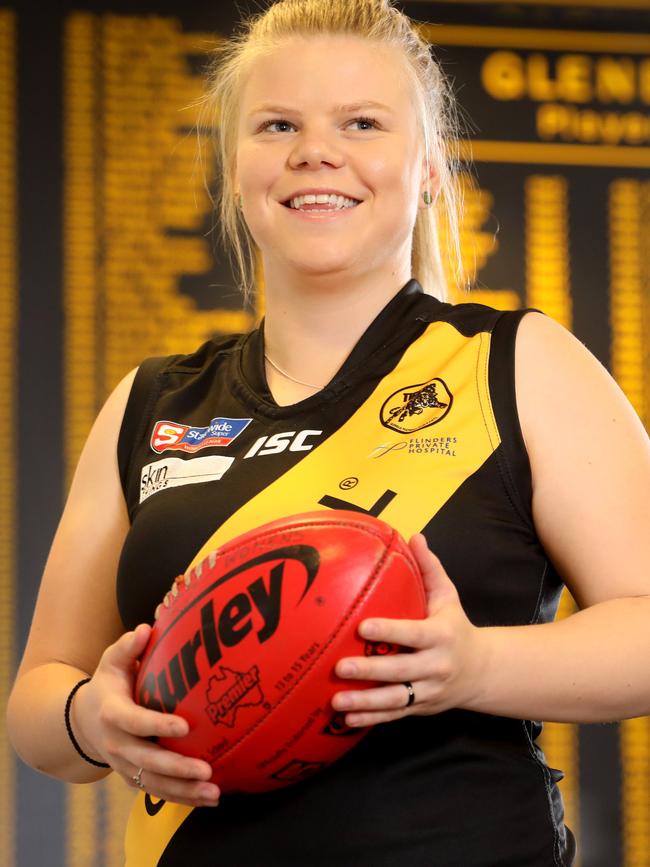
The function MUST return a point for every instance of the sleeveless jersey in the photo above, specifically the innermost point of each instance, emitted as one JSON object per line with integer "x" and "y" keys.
{"x": 419, "y": 427}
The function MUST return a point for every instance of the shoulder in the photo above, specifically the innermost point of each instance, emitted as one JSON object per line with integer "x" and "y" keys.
{"x": 550, "y": 368}
{"x": 212, "y": 349}
{"x": 145, "y": 380}
{"x": 562, "y": 387}
{"x": 590, "y": 463}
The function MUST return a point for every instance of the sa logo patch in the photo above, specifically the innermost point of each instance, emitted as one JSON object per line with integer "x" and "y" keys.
{"x": 417, "y": 406}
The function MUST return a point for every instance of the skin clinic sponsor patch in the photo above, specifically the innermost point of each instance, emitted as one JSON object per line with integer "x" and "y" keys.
{"x": 172, "y": 472}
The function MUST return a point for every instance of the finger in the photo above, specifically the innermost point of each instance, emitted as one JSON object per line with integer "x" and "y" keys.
{"x": 407, "y": 633}
{"x": 438, "y": 585}
{"x": 133, "y": 755}
{"x": 392, "y": 668}
{"x": 126, "y": 650}
{"x": 164, "y": 763}
{"x": 394, "y": 697}
{"x": 125, "y": 715}
{"x": 425, "y": 558}
{"x": 373, "y": 718}
{"x": 190, "y": 792}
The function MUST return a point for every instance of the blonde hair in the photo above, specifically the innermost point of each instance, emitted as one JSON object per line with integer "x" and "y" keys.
{"x": 375, "y": 20}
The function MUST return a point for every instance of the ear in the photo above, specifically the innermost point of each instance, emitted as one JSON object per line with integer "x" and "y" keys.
{"x": 430, "y": 180}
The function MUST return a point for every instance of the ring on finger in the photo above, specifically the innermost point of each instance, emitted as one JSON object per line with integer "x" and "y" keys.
{"x": 137, "y": 779}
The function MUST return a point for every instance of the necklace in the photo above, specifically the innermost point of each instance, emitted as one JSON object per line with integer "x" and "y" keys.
{"x": 293, "y": 379}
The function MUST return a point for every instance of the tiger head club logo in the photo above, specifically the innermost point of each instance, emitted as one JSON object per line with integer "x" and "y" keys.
{"x": 417, "y": 406}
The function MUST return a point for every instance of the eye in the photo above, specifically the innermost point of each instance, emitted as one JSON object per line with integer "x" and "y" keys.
{"x": 369, "y": 121}
{"x": 269, "y": 123}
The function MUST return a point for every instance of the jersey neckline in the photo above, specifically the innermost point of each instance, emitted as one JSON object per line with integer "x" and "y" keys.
{"x": 379, "y": 337}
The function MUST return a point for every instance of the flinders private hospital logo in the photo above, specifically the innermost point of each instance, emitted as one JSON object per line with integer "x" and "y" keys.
{"x": 418, "y": 406}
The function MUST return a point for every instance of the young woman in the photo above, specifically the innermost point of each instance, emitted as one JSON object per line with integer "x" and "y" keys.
{"x": 495, "y": 442}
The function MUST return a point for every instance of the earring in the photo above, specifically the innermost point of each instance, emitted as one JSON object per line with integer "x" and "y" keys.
{"x": 426, "y": 195}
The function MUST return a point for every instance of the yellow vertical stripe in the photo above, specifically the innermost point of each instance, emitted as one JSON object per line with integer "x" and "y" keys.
{"x": 629, "y": 222}
{"x": 8, "y": 456}
{"x": 635, "y": 766}
{"x": 627, "y": 241}
{"x": 80, "y": 237}
{"x": 547, "y": 247}
{"x": 118, "y": 801}
{"x": 548, "y": 289}
{"x": 79, "y": 331}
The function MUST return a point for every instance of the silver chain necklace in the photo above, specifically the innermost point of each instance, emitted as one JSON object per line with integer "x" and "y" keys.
{"x": 288, "y": 376}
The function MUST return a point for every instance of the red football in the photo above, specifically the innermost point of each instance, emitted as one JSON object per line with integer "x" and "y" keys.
{"x": 244, "y": 647}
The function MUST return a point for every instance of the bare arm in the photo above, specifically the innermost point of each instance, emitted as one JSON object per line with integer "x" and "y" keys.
{"x": 76, "y": 616}
{"x": 77, "y": 632}
{"x": 590, "y": 460}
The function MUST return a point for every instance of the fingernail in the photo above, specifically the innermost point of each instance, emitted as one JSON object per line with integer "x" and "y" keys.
{"x": 343, "y": 702}
{"x": 347, "y": 669}
{"x": 210, "y": 793}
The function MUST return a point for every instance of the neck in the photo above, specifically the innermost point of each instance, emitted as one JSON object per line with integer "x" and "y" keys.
{"x": 311, "y": 328}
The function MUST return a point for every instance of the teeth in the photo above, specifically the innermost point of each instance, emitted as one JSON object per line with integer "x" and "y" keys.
{"x": 312, "y": 199}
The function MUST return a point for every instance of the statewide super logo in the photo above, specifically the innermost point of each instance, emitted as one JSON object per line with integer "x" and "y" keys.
{"x": 417, "y": 406}
{"x": 168, "y": 435}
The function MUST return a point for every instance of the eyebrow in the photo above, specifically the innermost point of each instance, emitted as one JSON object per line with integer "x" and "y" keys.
{"x": 338, "y": 109}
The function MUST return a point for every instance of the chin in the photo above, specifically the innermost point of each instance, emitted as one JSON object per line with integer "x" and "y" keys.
{"x": 322, "y": 269}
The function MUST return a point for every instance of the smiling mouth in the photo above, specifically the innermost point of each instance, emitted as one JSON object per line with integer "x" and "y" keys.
{"x": 317, "y": 208}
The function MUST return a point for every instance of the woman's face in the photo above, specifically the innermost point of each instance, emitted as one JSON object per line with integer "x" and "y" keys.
{"x": 300, "y": 131}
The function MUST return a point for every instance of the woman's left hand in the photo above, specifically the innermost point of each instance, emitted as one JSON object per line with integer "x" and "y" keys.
{"x": 445, "y": 667}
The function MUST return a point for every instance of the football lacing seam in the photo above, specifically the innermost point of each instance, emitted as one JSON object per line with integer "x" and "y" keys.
{"x": 186, "y": 577}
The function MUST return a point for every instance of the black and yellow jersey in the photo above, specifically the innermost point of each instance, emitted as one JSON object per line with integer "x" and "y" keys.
{"x": 419, "y": 427}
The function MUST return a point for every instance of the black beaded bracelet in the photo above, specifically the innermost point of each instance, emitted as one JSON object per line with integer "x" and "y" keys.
{"x": 73, "y": 739}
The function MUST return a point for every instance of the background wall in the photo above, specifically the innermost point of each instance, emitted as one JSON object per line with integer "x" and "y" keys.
{"x": 106, "y": 257}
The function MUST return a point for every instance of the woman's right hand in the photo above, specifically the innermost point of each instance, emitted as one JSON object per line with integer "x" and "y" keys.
{"x": 110, "y": 726}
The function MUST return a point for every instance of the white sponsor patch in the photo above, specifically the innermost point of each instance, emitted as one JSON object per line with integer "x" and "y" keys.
{"x": 172, "y": 472}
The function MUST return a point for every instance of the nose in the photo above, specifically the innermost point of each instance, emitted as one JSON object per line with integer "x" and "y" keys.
{"x": 313, "y": 148}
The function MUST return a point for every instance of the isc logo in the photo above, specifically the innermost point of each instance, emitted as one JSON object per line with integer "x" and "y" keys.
{"x": 276, "y": 443}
